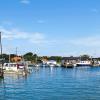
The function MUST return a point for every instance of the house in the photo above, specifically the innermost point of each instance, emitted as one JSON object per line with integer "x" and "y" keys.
{"x": 70, "y": 59}
{"x": 16, "y": 59}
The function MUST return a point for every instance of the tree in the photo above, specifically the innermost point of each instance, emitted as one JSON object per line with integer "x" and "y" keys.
{"x": 4, "y": 57}
{"x": 30, "y": 57}
{"x": 85, "y": 57}
{"x": 56, "y": 58}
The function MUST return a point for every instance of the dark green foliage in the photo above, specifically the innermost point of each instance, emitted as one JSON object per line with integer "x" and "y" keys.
{"x": 56, "y": 58}
{"x": 4, "y": 57}
{"x": 85, "y": 57}
{"x": 30, "y": 57}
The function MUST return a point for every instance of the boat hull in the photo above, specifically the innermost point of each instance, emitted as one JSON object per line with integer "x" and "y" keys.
{"x": 67, "y": 66}
{"x": 83, "y": 65}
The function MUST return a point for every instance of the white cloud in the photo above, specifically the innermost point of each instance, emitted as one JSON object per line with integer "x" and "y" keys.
{"x": 16, "y": 34}
{"x": 92, "y": 41}
{"x": 25, "y": 1}
{"x": 65, "y": 45}
{"x": 40, "y": 38}
{"x": 36, "y": 38}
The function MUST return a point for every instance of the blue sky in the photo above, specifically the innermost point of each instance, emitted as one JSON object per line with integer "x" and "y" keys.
{"x": 51, "y": 27}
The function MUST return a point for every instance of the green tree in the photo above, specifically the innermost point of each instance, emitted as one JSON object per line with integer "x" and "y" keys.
{"x": 5, "y": 57}
{"x": 56, "y": 58}
{"x": 30, "y": 57}
{"x": 85, "y": 57}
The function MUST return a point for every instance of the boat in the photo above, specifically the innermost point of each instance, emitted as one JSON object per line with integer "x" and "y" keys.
{"x": 38, "y": 65}
{"x": 13, "y": 67}
{"x": 51, "y": 63}
{"x": 84, "y": 63}
{"x": 67, "y": 65}
{"x": 31, "y": 65}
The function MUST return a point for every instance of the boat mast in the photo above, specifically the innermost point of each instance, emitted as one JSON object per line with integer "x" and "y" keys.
{"x": 16, "y": 51}
{"x": 0, "y": 44}
{"x": 1, "y": 55}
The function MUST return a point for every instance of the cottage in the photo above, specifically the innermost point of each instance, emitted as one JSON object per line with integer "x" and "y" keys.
{"x": 16, "y": 59}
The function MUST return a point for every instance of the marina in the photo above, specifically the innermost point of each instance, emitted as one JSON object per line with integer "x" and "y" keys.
{"x": 71, "y": 78}
{"x": 50, "y": 83}
{"x": 49, "y": 50}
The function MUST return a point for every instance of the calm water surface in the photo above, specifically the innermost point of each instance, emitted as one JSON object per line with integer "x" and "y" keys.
{"x": 53, "y": 84}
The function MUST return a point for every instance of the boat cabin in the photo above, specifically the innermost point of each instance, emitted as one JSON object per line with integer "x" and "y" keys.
{"x": 12, "y": 66}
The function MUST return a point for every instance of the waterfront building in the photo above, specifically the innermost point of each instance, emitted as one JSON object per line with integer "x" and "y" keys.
{"x": 76, "y": 61}
{"x": 16, "y": 59}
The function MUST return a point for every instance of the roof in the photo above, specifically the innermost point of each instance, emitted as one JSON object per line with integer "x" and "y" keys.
{"x": 70, "y": 58}
{"x": 75, "y": 58}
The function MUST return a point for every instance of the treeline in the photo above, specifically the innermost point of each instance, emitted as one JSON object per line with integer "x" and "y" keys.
{"x": 34, "y": 58}
{"x": 30, "y": 57}
{"x": 27, "y": 57}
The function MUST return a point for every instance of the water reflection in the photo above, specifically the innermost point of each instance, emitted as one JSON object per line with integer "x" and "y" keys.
{"x": 2, "y": 90}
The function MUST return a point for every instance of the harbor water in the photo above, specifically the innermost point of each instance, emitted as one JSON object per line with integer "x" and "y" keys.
{"x": 53, "y": 83}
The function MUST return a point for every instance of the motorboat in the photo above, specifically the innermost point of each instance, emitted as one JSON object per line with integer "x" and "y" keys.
{"x": 67, "y": 65}
{"x": 84, "y": 63}
{"x": 51, "y": 63}
{"x": 13, "y": 66}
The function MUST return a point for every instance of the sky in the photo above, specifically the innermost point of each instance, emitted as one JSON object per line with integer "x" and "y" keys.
{"x": 51, "y": 27}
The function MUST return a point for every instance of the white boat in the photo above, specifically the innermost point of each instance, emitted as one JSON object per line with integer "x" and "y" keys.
{"x": 13, "y": 66}
{"x": 38, "y": 65}
{"x": 84, "y": 63}
{"x": 51, "y": 63}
